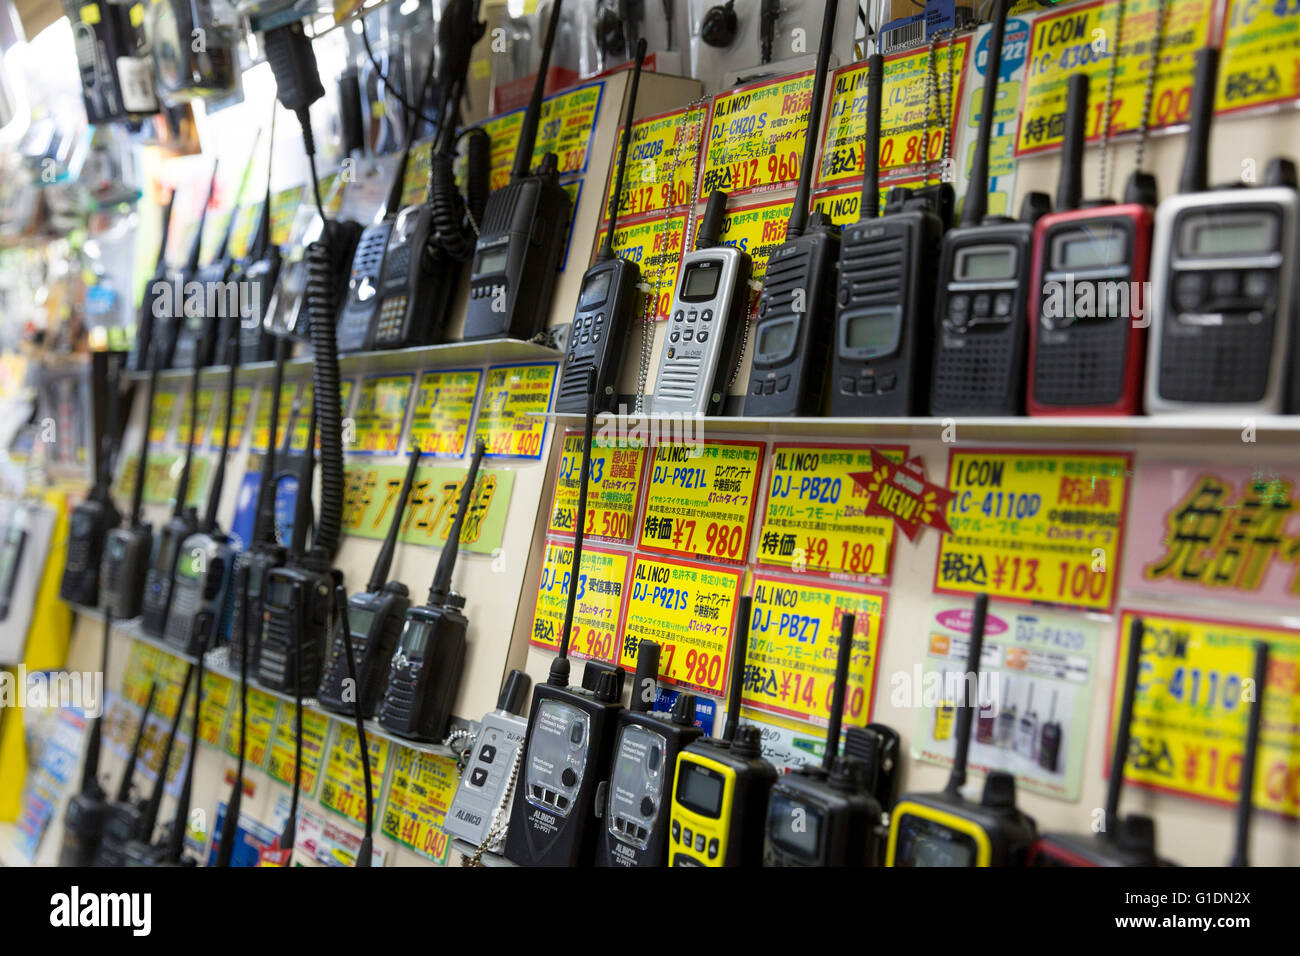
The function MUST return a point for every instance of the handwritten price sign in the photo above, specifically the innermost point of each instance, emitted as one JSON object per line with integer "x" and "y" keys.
{"x": 757, "y": 135}
{"x": 444, "y": 404}
{"x": 700, "y": 499}
{"x": 1035, "y": 527}
{"x": 381, "y": 412}
{"x": 656, "y": 246}
{"x": 515, "y": 398}
{"x": 419, "y": 797}
{"x": 315, "y": 728}
{"x": 613, "y": 486}
{"x": 602, "y": 582}
{"x": 343, "y": 789}
{"x": 661, "y": 163}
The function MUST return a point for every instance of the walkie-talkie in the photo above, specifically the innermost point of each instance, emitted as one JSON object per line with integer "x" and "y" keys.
{"x": 827, "y": 816}
{"x": 1249, "y": 759}
{"x": 607, "y": 301}
{"x": 638, "y": 798}
{"x": 83, "y": 820}
{"x": 259, "y": 275}
{"x": 795, "y": 309}
{"x": 183, "y": 523}
{"x": 883, "y": 332}
{"x": 122, "y": 817}
{"x": 706, "y": 324}
{"x": 523, "y": 234}
{"x": 376, "y": 615}
{"x": 1223, "y": 310}
{"x": 142, "y": 348}
{"x": 200, "y": 599}
{"x": 946, "y": 829}
{"x": 1123, "y": 841}
{"x": 719, "y": 807}
{"x": 424, "y": 674}
{"x": 185, "y": 339}
{"x": 1089, "y": 364}
{"x": 984, "y": 267}
{"x": 570, "y": 739}
{"x": 138, "y": 850}
{"x": 480, "y": 811}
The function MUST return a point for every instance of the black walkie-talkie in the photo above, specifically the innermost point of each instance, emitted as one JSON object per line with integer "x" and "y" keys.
{"x": 183, "y": 522}
{"x": 185, "y": 339}
{"x": 570, "y": 739}
{"x": 142, "y": 348}
{"x": 424, "y": 673}
{"x": 122, "y": 817}
{"x": 607, "y": 302}
{"x": 792, "y": 331}
{"x": 83, "y": 820}
{"x": 376, "y": 615}
{"x": 984, "y": 272}
{"x": 523, "y": 234}
{"x": 827, "y": 815}
{"x": 139, "y": 849}
{"x": 258, "y": 276}
{"x": 884, "y": 310}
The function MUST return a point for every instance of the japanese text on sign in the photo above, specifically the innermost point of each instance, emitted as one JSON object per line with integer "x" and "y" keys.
{"x": 655, "y": 245}
{"x": 613, "y": 487}
{"x": 444, "y": 404}
{"x": 700, "y": 499}
{"x": 757, "y": 135}
{"x": 381, "y": 412}
{"x": 599, "y": 601}
{"x": 343, "y": 789}
{"x": 419, "y": 796}
{"x": 567, "y": 122}
{"x": 661, "y": 163}
{"x": 515, "y": 398}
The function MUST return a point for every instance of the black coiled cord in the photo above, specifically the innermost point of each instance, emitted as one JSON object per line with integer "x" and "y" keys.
{"x": 322, "y": 307}
{"x": 454, "y": 219}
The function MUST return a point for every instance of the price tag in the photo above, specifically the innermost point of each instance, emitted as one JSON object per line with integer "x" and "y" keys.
{"x": 243, "y": 399}
{"x": 141, "y": 666}
{"x": 757, "y": 135}
{"x": 700, "y": 499}
{"x": 756, "y": 229}
{"x": 241, "y": 238}
{"x": 284, "y": 209}
{"x": 656, "y": 246}
{"x": 302, "y": 421}
{"x": 1083, "y": 38}
{"x": 1192, "y": 707}
{"x": 206, "y": 398}
{"x": 419, "y": 797}
{"x": 567, "y": 121}
{"x": 160, "y": 415}
{"x": 262, "y": 420}
{"x": 814, "y": 516}
{"x": 1032, "y": 526}
{"x": 218, "y": 692}
{"x": 315, "y": 728}
{"x": 661, "y": 163}
{"x": 415, "y": 183}
{"x": 794, "y": 635}
{"x": 1260, "y": 48}
{"x": 910, "y": 135}
{"x": 602, "y": 581}
{"x": 261, "y": 719}
{"x": 689, "y": 611}
{"x": 344, "y": 788}
{"x": 613, "y": 487}
{"x": 444, "y": 405}
{"x": 162, "y": 478}
{"x": 380, "y": 414}
{"x": 515, "y": 399}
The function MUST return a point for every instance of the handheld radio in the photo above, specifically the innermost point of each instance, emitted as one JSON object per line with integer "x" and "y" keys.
{"x": 366, "y": 850}
{"x": 424, "y": 674}
{"x": 791, "y": 333}
{"x": 93, "y": 518}
{"x": 570, "y": 739}
{"x": 607, "y": 301}
{"x": 256, "y": 343}
{"x": 523, "y": 234}
{"x": 1224, "y": 304}
{"x": 883, "y": 331}
{"x": 984, "y": 265}
{"x": 139, "y": 850}
{"x": 639, "y": 793}
{"x": 710, "y": 309}
{"x": 166, "y": 547}
{"x": 480, "y": 811}
{"x": 118, "y": 817}
{"x": 1245, "y": 801}
{"x": 142, "y": 354}
{"x": 376, "y": 615}
{"x": 200, "y": 598}
{"x": 186, "y": 340}
{"x": 719, "y": 807}
{"x": 83, "y": 820}
{"x": 1088, "y": 364}
{"x": 946, "y": 829}
{"x": 1123, "y": 841}
{"x": 826, "y": 816}
{"x": 170, "y": 851}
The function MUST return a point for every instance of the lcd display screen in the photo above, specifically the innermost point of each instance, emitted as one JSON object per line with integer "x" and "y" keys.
{"x": 594, "y": 290}
{"x": 699, "y": 790}
{"x": 492, "y": 260}
{"x": 802, "y": 840}
{"x": 990, "y": 263}
{"x": 701, "y": 281}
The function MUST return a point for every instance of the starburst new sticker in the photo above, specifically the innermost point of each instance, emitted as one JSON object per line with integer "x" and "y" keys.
{"x": 903, "y": 493}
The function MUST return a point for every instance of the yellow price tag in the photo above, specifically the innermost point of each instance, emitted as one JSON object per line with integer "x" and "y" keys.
{"x": 602, "y": 580}
{"x": 757, "y": 229}
{"x": 284, "y": 207}
{"x": 343, "y": 789}
{"x": 415, "y": 182}
{"x": 661, "y": 163}
{"x": 515, "y": 397}
{"x": 419, "y": 797}
{"x": 218, "y": 692}
{"x": 261, "y": 719}
{"x": 700, "y": 499}
{"x": 566, "y": 124}
{"x": 1261, "y": 46}
{"x": 381, "y": 412}
{"x": 370, "y": 495}
{"x": 613, "y": 488}
{"x": 656, "y": 246}
{"x": 207, "y": 397}
{"x": 302, "y": 421}
{"x": 160, "y": 415}
{"x": 280, "y": 766}
{"x": 243, "y": 399}
{"x": 757, "y": 135}
{"x": 1035, "y": 526}
{"x": 262, "y": 420}
{"x": 444, "y": 404}
{"x": 813, "y": 518}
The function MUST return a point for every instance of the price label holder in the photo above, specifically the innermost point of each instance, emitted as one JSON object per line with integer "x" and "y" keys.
{"x": 315, "y": 729}
{"x": 656, "y": 245}
{"x": 511, "y": 418}
{"x": 218, "y": 701}
{"x": 444, "y": 406}
{"x": 262, "y": 418}
{"x": 568, "y": 120}
{"x": 613, "y": 489}
{"x": 813, "y": 517}
{"x": 243, "y": 401}
{"x": 793, "y": 636}
{"x": 661, "y": 163}
{"x": 1190, "y": 713}
{"x": 700, "y": 499}
{"x": 302, "y": 422}
{"x": 602, "y": 584}
{"x": 381, "y": 413}
{"x": 261, "y": 719}
{"x": 687, "y": 609}
{"x": 756, "y": 136}
{"x": 343, "y": 788}
{"x": 419, "y": 795}
{"x": 1035, "y": 526}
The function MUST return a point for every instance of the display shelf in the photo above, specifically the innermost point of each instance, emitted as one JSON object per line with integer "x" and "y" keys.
{"x": 467, "y": 849}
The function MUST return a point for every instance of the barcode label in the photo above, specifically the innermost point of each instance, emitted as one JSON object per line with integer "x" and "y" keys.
{"x": 908, "y": 34}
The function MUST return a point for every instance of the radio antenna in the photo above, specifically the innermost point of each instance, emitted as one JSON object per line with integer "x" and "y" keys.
{"x": 161, "y": 265}
{"x": 151, "y": 393}
{"x": 559, "y": 675}
{"x": 1196, "y": 176}
{"x": 966, "y": 713}
{"x": 739, "y": 651}
{"x": 176, "y": 839}
{"x": 366, "y": 850}
{"x": 870, "y": 202}
{"x": 1069, "y": 188}
{"x": 715, "y": 214}
{"x": 155, "y": 797}
{"x": 646, "y": 681}
{"x": 262, "y": 239}
{"x": 379, "y": 575}
{"x": 224, "y": 249}
{"x": 196, "y": 248}
{"x": 842, "y": 657}
{"x": 799, "y": 214}
{"x": 533, "y": 115}
{"x": 440, "y": 591}
{"x": 209, "y": 525}
{"x": 977, "y": 187}
{"x": 1123, "y": 729}
{"x": 264, "y": 511}
{"x": 1245, "y": 805}
{"x": 124, "y": 789}
{"x": 607, "y": 247}
{"x": 183, "y": 486}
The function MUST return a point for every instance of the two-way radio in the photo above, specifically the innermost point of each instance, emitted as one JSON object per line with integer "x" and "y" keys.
{"x": 124, "y": 809}
{"x": 707, "y": 321}
{"x": 424, "y": 673}
{"x": 182, "y": 334}
{"x": 140, "y": 850}
{"x": 719, "y": 805}
{"x": 984, "y": 266}
{"x": 607, "y": 301}
{"x": 946, "y": 829}
{"x": 376, "y": 615}
{"x": 142, "y": 347}
{"x": 570, "y": 739}
{"x": 1224, "y": 305}
{"x": 523, "y": 234}
{"x": 480, "y": 811}
{"x": 1088, "y": 364}
{"x": 1249, "y": 759}
{"x": 883, "y": 331}
{"x": 258, "y": 277}
{"x": 792, "y": 331}
{"x": 83, "y": 820}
